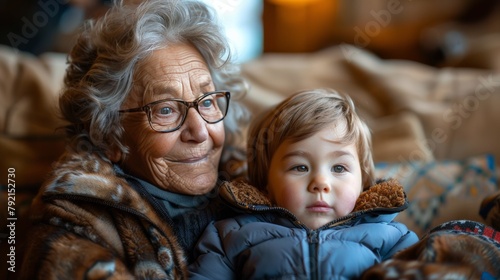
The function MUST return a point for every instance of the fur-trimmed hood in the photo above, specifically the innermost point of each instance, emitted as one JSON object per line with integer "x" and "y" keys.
{"x": 270, "y": 242}
{"x": 386, "y": 195}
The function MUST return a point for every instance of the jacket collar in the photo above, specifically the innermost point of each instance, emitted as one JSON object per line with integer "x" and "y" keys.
{"x": 384, "y": 195}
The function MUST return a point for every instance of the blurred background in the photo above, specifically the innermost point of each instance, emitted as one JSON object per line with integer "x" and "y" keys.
{"x": 435, "y": 32}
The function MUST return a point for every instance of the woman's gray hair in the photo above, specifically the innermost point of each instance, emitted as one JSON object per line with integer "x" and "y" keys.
{"x": 104, "y": 59}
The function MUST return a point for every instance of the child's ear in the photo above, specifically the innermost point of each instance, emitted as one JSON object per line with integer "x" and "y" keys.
{"x": 269, "y": 194}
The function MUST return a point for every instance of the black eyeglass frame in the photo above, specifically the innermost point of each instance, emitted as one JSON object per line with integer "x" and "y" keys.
{"x": 193, "y": 104}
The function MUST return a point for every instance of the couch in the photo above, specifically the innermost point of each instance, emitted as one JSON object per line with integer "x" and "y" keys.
{"x": 434, "y": 129}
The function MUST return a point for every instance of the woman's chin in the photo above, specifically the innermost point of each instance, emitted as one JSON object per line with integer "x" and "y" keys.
{"x": 198, "y": 185}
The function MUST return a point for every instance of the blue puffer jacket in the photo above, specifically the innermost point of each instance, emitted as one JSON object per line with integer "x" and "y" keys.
{"x": 271, "y": 244}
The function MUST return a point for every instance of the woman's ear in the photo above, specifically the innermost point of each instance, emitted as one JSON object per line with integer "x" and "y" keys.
{"x": 114, "y": 154}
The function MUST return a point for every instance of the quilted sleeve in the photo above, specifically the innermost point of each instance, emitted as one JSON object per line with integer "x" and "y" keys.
{"x": 212, "y": 261}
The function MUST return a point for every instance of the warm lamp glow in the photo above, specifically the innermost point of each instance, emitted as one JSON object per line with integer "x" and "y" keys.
{"x": 292, "y": 2}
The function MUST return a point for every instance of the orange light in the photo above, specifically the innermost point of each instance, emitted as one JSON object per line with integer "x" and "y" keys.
{"x": 292, "y": 2}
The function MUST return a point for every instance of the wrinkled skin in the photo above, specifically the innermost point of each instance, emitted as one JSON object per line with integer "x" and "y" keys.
{"x": 184, "y": 161}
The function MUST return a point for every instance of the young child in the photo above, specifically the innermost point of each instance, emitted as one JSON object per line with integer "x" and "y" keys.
{"x": 314, "y": 211}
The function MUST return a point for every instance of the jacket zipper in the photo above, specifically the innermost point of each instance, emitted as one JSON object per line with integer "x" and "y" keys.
{"x": 313, "y": 235}
{"x": 313, "y": 241}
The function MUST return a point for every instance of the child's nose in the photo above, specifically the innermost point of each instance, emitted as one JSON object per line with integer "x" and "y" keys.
{"x": 320, "y": 184}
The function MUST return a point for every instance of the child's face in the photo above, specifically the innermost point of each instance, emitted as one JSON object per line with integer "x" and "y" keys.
{"x": 318, "y": 179}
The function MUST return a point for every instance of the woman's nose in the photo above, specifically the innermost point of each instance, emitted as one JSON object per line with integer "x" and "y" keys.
{"x": 194, "y": 127}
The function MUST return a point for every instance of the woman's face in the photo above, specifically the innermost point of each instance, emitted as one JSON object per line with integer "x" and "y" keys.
{"x": 186, "y": 160}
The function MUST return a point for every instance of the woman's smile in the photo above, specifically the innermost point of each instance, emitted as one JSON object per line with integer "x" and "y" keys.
{"x": 194, "y": 159}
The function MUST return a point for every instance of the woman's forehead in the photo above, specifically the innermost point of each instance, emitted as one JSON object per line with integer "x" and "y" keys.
{"x": 172, "y": 63}
{"x": 164, "y": 73}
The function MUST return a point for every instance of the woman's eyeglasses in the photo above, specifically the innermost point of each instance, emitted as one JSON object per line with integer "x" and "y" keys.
{"x": 168, "y": 115}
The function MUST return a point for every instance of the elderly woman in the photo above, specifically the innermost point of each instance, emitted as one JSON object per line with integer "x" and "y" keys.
{"x": 146, "y": 93}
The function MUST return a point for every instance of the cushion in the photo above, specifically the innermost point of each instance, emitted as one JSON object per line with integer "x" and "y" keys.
{"x": 441, "y": 191}
{"x": 30, "y": 138}
{"x": 398, "y": 136}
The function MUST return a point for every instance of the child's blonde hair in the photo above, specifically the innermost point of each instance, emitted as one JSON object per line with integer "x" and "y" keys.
{"x": 300, "y": 116}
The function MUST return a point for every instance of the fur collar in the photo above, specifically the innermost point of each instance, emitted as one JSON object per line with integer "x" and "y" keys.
{"x": 384, "y": 194}
{"x": 91, "y": 177}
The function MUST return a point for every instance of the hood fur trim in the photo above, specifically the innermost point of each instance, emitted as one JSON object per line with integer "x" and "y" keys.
{"x": 385, "y": 194}
{"x": 242, "y": 193}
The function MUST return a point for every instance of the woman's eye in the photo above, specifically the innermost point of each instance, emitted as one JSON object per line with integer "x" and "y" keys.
{"x": 165, "y": 111}
{"x": 338, "y": 168}
{"x": 300, "y": 168}
{"x": 207, "y": 103}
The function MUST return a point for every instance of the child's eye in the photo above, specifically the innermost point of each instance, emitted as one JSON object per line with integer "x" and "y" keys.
{"x": 338, "y": 169}
{"x": 300, "y": 168}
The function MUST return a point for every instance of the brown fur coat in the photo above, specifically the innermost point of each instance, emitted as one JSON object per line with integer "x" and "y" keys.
{"x": 91, "y": 224}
